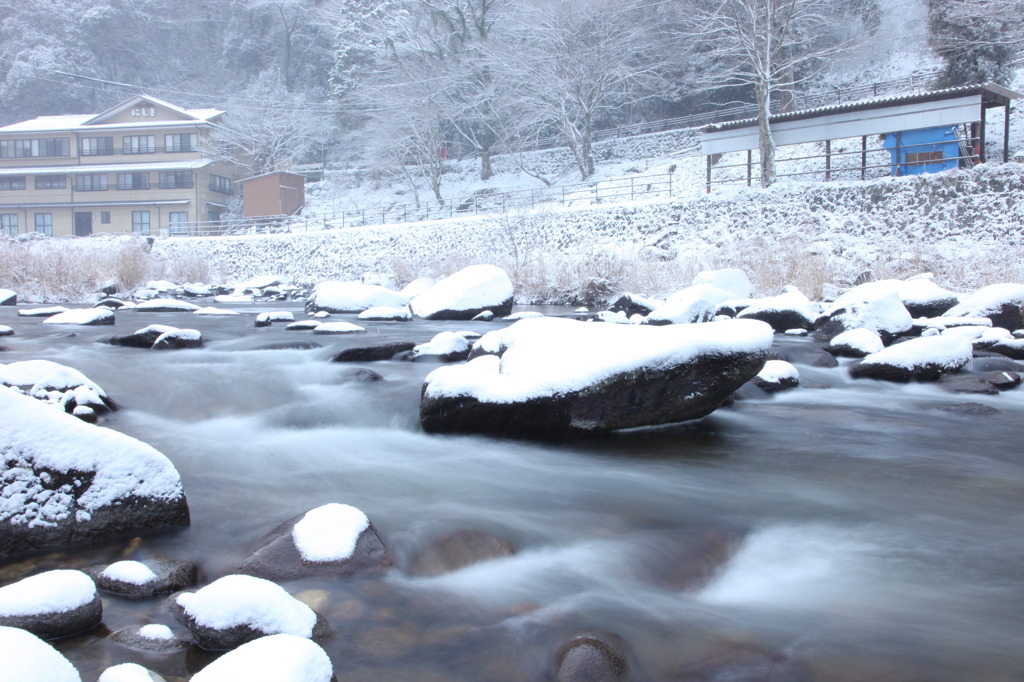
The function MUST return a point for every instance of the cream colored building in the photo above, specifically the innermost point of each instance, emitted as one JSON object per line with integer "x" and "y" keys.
{"x": 142, "y": 167}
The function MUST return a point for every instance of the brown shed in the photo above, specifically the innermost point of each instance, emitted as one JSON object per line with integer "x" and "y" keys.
{"x": 270, "y": 194}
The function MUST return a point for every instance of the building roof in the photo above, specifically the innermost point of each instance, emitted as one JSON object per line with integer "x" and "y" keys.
{"x": 108, "y": 168}
{"x": 100, "y": 204}
{"x": 71, "y": 123}
{"x": 992, "y": 95}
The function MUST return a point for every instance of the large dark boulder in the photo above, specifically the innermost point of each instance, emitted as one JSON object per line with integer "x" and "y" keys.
{"x": 141, "y": 579}
{"x": 328, "y": 540}
{"x": 466, "y": 294}
{"x": 922, "y": 359}
{"x": 141, "y": 338}
{"x": 51, "y": 605}
{"x": 545, "y": 385}
{"x": 380, "y": 352}
{"x": 1000, "y": 303}
{"x": 63, "y": 481}
{"x": 789, "y": 310}
{"x": 8, "y": 297}
{"x": 878, "y": 310}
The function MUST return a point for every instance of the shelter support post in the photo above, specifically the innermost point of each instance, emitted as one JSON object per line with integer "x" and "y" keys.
{"x": 828, "y": 160}
{"x": 1006, "y": 133}
{"x": 750, "y": 166}
{"x": 863, "y": 155}
{"x": 981, "y": 137}
{"x": 708, "y": 186}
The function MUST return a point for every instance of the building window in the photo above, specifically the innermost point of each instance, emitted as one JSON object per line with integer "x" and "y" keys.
{"x": 91, "y": 182}
{"x": 12, "y": 182}
{"x": 219, "y": 183}
{"x": 175, "y": 179}
{"x": 105, "y": 217}
{"x": 97, "y": 146}
{"x": 51, "y": 181}
{"x": 213, "y": 216}
{"x": 133, "y": 180}
{"x": 140, "y": 222}
{"x": 178, "y": 220}
{"x": 44, "y": 223}
{"x": 46, "y": 146}
{"x": 138, "y": 144}
{"x": 181, "y": 142}
{"x": 9, "y": 224}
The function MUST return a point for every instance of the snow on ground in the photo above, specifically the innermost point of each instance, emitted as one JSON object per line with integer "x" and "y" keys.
{"x": 329, "y": 532}
{"x": 57, "y": 591}
{"x": 26, "y": 658}
{"x": 548, "y": 356}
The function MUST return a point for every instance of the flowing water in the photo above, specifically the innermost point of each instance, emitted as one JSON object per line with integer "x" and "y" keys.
{"x": 841, "y": 531}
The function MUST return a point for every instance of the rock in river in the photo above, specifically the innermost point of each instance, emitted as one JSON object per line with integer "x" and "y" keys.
{"x": 51, "y": 605}
{"x": 558, "y": 376}
{"x": 466, "y": 294}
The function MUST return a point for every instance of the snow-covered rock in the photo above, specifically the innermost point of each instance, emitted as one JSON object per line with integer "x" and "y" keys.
{"x": 176, "y": 339}
{"x": 5, "y": 330}
{"x": 161, "y": 285}
{"x": 49, "y": 311}
{"x": 923, "y": 297}
{"x": 151, "y": 638}
{"x": 333, "y": 539}
{"x": 386, "y": 314}
{"x": 166, "y": 305}
{"x": 869, "y": 306}
{"x": 377, "y": 353}
{"x": 923, "y": 359}
{"x": 129, "y": 672}
{"x": 51, "y": 605}
{"x": 337, "y": 328}
{"x": 240, "y": 608}
{"x": 63, "y": 481}
{"x": 688, "y": 306}
{"x": 86, "y": 317}
{"x": 789, "y": 310}
{"x": 58, "y": 385}
{"x": 26, "y": 658}
{"x": 113, "y": 304}
{"x": 557, "y": 376}
{"x": 277, "y": 658}
{"x": 197, "y": 290}
{"x": 732, "y": 280}
{"x": 1011, "y": 348}
{"x": 417, "y": 287}
{"x": 138, "y": 579}
{"x": 632, "y": 304}
{"x": 265, "y": 319}
{"x": 466, "y": 294}
{"x": 611, "y": 317}
{"x": 303, "y": 325}
{"x": 352, "y": 297}
{"x": 8, "y": 297}
{"x": 141, "y": 338}
{"x": 777, "y": 375}
{"x": 261, "y": 282}
{"x": 1000, "y": 303}
{"x": 233, "y": 298}
{"x": 444, "y": 347}
{"x": 856, "y": 343}
{"x": 213, "y": 312}
{"x": 522, "y": 315}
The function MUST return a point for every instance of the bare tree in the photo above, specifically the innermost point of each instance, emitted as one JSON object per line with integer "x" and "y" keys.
{"x": 980, "y": 40}
{"x": 573, "y": 66}
{"x": 767, "y": 45}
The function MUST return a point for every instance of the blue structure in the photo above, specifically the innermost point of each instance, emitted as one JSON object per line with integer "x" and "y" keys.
{"x": 928, "y": 150}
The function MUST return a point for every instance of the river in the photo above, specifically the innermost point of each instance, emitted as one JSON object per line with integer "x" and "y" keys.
{"x": 845, "y": 530}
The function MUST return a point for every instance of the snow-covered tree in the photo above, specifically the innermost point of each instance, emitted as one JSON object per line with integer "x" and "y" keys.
{"x": 978, "y": 39}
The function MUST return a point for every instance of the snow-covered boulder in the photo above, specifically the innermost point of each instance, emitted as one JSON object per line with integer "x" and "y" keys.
{"x": 139, "y": 579}
{"x": 86, "y": 317}
{"x": 558, "y": 376}
{"x": 151, "y": 639}
{"x": 141, "y": 338}
{"x": 789, "y": 310}
{"x": 113, "y": 304}
{"x": 869, "y": 306}
{"x": 261, "y": 282}
{"x": 444, "y": 347}
{"x": 1011, "y": 348}
{"x": 457, "y": 550}
{"x": 240, "y": 608}
{"x": 633, "y": 304}
{"x": 923, "y": 359}
{"x": 196, "y": 290}
{"x": 386, "y": 314}
{"x": 277, "y": 658}
{"x": 352, "y": 297}
{"x": 166, "y": 305}
{"x": 51, "y": 605}
{"x": 8, "y": 297}
{"x": 777, "y": 375}
{"x": 466, "y": 294}
{"x": 1000, "y": 303}
{"x": 176, "y": 339}
{"x": 48, "y": 311}
{"x": 5, "y": 330}
{"x": 267, "y": 318}
{"x": 337, "y": 328}
{"x": 688, "y": 306}
{"x": 417, "y": 287}
{"x": 732, "y": 280}
{"x": 303, "y": 325}
{"x": 63, "y": 481}
{"x": 57, "y": 384}
{"x": 923, "y": 297}
{"x": 210, "y": 311}
{"x": 333, "y": 539}
{"x": 378, "y": 353}
{"x": 129, "y": 672}
{"x": 522, "y": 315}
{"x": 26, "y": 658}
{"x": 856, "y": 343}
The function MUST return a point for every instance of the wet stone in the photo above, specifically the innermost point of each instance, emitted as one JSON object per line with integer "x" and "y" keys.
{"x": 591, "y": 658}
{"x": 968, "y": 409}
{"x": 458, "y": 550}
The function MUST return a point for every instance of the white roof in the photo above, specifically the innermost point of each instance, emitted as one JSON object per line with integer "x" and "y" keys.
{"x": 68, "y": 123}
{"x": 108, "y": 168}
